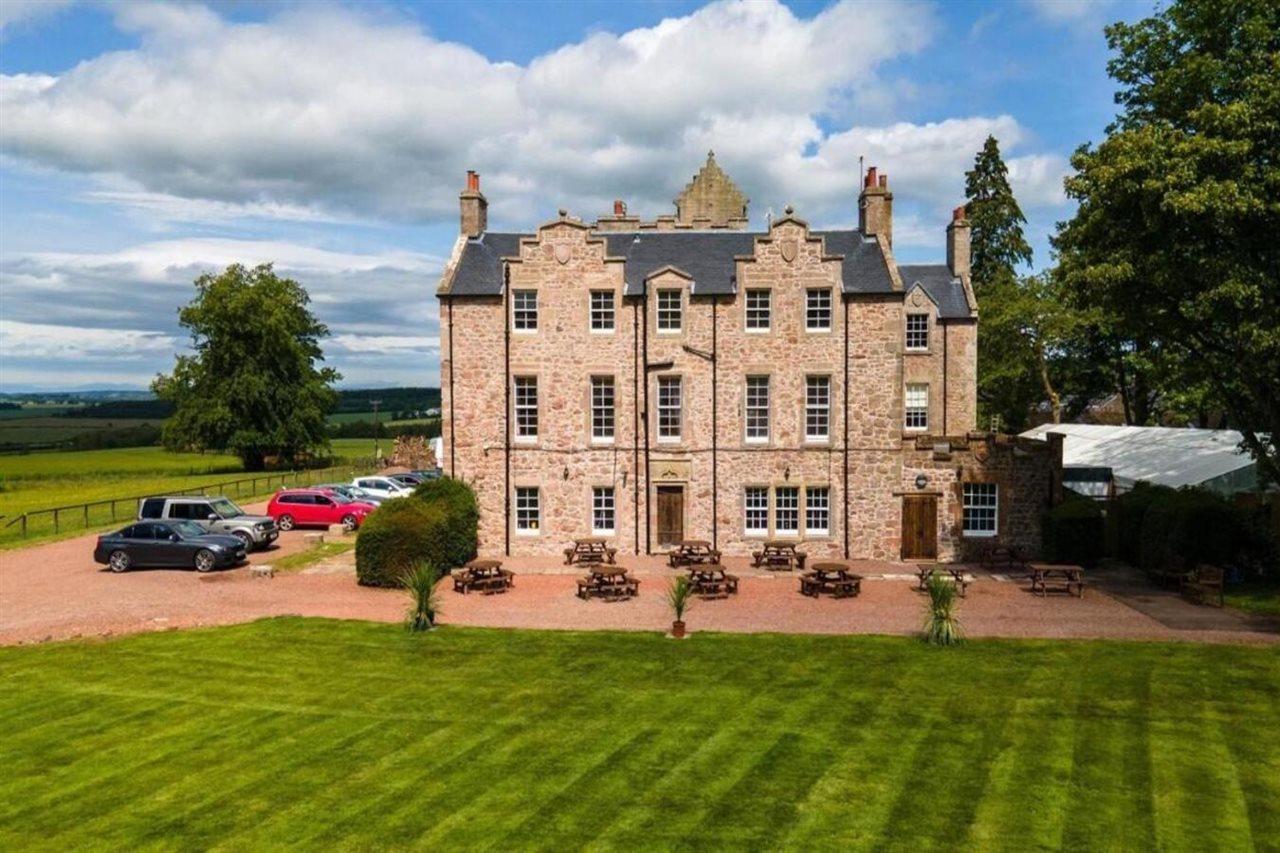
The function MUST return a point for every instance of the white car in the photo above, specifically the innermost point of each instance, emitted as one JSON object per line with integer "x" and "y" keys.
{"x": 382, "y": 487}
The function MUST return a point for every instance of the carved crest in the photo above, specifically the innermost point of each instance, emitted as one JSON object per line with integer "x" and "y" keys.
{"x": 789, "y": 248}
{"x": 563, "y": 252}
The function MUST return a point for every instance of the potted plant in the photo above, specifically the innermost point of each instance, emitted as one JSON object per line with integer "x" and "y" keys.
{"x": 420, "y": 581}
{"x": 679, "y": 596}
{"x": 942, "y": 626}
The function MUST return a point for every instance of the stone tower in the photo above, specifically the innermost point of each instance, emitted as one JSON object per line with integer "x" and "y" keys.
{"x": 712, "y": 199}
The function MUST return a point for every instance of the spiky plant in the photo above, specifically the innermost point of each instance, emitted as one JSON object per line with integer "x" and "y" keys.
{"x": 679, "y": 597}
{"x": 420, "y": 581}
{"x": 942, "y": 626}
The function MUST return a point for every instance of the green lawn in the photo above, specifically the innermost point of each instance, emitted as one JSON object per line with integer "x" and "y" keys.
{"x": 36, "y": 481}
{"x": 314, "y": 733}
{"x": 1255, "y": 597}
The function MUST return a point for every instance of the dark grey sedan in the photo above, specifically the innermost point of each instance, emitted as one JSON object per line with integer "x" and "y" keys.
{"x": 175, "y": 544}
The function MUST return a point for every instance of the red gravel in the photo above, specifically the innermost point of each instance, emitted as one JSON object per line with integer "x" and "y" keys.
{"x": 56, "y": 591}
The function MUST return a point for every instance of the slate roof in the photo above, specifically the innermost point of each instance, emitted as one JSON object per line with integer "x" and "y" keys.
{"x": 708, "y": 257}
{"x": 943, "y": 288}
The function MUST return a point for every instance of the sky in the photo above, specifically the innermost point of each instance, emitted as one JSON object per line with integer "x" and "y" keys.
{"x": 142, "y": 144}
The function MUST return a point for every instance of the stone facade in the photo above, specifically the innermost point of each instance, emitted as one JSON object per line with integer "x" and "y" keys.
{"x": 750, "y": 347}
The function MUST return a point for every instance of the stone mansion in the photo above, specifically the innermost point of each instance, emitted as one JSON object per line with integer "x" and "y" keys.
{"x": 685, "y": 378}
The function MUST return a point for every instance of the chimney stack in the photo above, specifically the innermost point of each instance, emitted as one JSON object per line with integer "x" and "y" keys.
{"x": 474, "y": 207}
{"x": 875, "y": 206}
{"x": 958, "y": 243}
{"x": 619, "y": 207}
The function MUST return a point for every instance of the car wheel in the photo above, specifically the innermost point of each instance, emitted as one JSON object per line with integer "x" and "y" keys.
{"x": 119, "y": 561}
{"x": 245, "y": 538}
{"x": 285, "y": 522}
{"x": 205, "y": 560}
{"x": 349, "y": 522}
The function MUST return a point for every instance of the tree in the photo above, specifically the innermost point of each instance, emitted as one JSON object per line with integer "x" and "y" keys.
{"x": 252, "y": 388}
{"x": 1175, "y": 238}
{"x": 998, "y": 245}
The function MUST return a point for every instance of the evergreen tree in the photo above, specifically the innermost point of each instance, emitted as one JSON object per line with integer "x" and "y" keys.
{"x": 998, "y": 246}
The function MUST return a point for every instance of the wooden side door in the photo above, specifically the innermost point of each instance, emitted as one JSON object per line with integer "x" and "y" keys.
{"x": 919, "y": 527}
{"x": 670, "y": 515}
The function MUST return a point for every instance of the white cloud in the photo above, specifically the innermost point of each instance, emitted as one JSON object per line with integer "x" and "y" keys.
{"x": 325, "y": 113}
{"x": 15, "y": 13}
{"x": 74, "y": 343}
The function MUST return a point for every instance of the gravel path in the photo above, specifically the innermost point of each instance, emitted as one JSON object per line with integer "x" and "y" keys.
{"x": 56, "y": 591}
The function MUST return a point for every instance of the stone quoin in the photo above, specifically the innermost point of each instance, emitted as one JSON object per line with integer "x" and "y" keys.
{"x": 686, "y": 378}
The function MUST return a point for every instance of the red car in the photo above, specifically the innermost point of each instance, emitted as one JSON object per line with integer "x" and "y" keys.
{"x": 317, "y": 507}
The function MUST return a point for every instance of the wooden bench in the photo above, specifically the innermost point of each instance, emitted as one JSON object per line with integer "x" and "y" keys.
{"x": 712, "y": 581}
{"x": 484, "y": 576}
{"x": 589, "y": 551}
{"x": 925, "y": 570}
{"x": 832, "y": 579}
{"x": 692, "y": 552}
{"x": 608, "y": 584}
{"x": 1002, "y": 558}
{"x": 1205, "y": 585}
{"x": 1070, "y": 579}
{"x": 778, "y": 556}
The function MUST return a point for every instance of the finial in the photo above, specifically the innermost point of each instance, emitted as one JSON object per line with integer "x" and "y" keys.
{"x": 563, "y": 213}
{"x": 711, "y": 154}
{"x": 788, "y": 210}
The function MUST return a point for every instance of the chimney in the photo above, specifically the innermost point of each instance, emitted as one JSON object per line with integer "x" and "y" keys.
{"x": 619, "y": 207}
{"x": 958, "y": 243}
{"x": 875, "y": 206}
{"x": 474, "y": 207}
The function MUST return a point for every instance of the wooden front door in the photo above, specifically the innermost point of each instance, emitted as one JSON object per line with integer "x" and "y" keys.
{"x": 670, "y": 515}
{"x": 919, "y": 527}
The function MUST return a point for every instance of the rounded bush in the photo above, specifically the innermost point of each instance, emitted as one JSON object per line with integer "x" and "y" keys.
{"x": 1075, "y": 532}
{"x": 1128, "y": 512}
{"x": 1184, "y": 528}
{"x": 394, "y": 538}
{"x": 458, "y": 541}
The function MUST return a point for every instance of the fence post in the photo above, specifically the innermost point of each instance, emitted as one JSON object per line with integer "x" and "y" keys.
{"x": 24, "y": 525}
{"x": 55, "y": 520}
{"x": 86, "y": 515}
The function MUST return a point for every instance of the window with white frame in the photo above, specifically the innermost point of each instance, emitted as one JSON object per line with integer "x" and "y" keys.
{"x": 602, "y": 416}
{"x": 786, "y": 510}
{"x": 528, "y": 510}
{"x": 917, "y": 405}
{"x": 524, "y": 310}
{"x": 757, "y": 414}
{"x": 602, "y": 514}
{"x": 668, "y": 310}
{"x": 526, "y": 403}
{"x": 981, "y": 506}
{"x": 669, "y": 394}
{"x": 758, "y": 309}
{"x": 817, "y": 408}
{"x": 602, "y": 311}
{"x": 817, "y": 510}
{"x": 755, "y": 510}
{"x": 817, "y": 309}
{"x": 917, "y": 332}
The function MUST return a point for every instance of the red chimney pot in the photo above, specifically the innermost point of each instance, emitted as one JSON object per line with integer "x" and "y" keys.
{"x": 884, "y": 182}
{"x": 473, "y": 181}
{"x": 957, "y": 215}
{"x": 871, "y": 177}
{"x": 619, "y": 207}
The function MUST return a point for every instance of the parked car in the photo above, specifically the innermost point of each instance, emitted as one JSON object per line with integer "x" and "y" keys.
{"x": 350, "y": 492}
{"x": 408, "y": 479}
{"x": 382, "y": 487}
{"x": 215, "y": 515}
{"x": 427, "y": 473}
{"x": 316, "y": 507}
{"x": 175, "y": 544}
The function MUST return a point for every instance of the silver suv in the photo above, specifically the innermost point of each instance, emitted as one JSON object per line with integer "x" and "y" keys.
{"x": 216, "y": 515}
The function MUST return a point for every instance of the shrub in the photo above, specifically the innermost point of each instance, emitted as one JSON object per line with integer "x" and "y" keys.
{"x": 1128, "y": 512}
{"x": 396, "y": 537}
{"x": 421, "y": 584}
{"x": 679, "y": 596}
{"x": 942, "y": 626}
{"x": 459, "y": 540}
{"x": 1184, "y": 528}
{"x": 1074, "y": 532}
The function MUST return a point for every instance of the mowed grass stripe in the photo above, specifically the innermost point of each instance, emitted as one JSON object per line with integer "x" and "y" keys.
{"x": 314, "y": 733}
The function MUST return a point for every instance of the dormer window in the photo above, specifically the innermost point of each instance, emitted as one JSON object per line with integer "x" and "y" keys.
{"x": 917, "y": 332}
{"x": 669, "y": 311}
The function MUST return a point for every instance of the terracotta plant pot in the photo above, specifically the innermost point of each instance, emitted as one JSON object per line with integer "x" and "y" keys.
{"x": 677, "y": 630}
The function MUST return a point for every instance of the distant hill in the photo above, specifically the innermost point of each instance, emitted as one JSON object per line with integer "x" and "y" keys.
{"x": 391, "y": 399}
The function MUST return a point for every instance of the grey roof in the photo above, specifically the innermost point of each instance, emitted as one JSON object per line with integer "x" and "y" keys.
{"x": 943, "y": 288}
{"x": 706, "y": 256}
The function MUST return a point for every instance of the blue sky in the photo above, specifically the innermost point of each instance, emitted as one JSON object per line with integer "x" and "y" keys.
{"x": 143, "y": 143}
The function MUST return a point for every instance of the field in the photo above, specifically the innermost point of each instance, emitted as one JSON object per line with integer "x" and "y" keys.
{"x": 316, "y": 733}
{"x": 49, "y": 430}
{"x": 41, "y": 480}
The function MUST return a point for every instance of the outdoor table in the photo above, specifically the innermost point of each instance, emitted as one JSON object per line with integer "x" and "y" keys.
{"x": 692, "y": 551}
{"x": 924, "y": 570}
{"x": 778, "y": 555}
{"x": 832, "y": 578}
{"x": 1070, "y": 578}
{"x": 611, "y": 583}
{"x": 710, "y": 580}
{"x": 487, "y": 576}
{"x": 593, "y": 549}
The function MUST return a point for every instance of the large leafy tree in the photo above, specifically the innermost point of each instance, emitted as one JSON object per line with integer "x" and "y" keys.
{"x": 253, "y": 386}
{"x": 1176, "y": 241}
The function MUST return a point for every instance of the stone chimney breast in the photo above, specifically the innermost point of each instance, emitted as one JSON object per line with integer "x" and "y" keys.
{"x": 875, "y": 206}
{"x": 473, "y": 207}
{"x": 958, "y": 243}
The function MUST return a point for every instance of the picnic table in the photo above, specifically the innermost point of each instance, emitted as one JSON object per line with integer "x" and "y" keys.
{"x": 710, "y": 580}
{"x": 833, "y": 579}
{"x": 924, "y": 570}
{"x": 593, "y": 549}
{"x": 610, "y": 583}
{"x": 1002, "y": 558}
{"x": 778, "y": 556}
{"x": 1069, "y": 578}
{"x": 691, "y": 552}
{"x": 486, "y": 576}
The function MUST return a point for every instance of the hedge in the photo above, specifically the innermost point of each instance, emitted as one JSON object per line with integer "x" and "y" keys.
{"x": 1184, "y": 528}
{"x": 1126, "y": 517}
{"x": 1074, "y": 532}
{"x": 437, "y": 524}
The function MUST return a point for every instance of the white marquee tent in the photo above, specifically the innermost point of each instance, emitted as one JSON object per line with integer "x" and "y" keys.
{"x": 1165, "y": 456}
